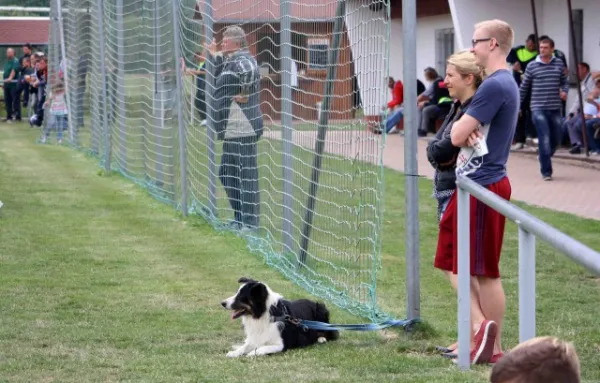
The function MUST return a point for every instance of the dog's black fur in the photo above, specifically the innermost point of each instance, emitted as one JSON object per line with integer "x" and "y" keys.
{"x": 264, "y": 315}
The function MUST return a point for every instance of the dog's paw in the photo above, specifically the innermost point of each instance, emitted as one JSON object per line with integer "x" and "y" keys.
{"x": 252, "y": 354}
{"x": 234, "y": 354}
{"x": 321, "y": 339}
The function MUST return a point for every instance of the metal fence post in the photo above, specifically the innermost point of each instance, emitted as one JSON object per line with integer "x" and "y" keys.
{"x": 120, "y": 84}
{"x": 208, "y": 94}
{"x": 105, "y": 127}
{"x": 182, "y": 129}
{"x": 158, "y": 99}
{"x": 286, "y": 122}
{"x": 66, "y": 72}
{"x": 464, "y": 279}
{"x": 526, "y": 285}
{"x": 409, "y": 31}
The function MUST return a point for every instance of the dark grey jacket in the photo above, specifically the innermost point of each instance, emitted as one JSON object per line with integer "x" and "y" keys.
{"x": 440, "y": 150}
{"x": 236, "y": 75}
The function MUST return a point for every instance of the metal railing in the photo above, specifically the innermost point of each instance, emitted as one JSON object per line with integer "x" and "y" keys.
{"x": 530, "y": 227}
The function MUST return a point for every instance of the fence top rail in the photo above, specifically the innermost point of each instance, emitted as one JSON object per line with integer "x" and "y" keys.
{"x": 574, "y": 249}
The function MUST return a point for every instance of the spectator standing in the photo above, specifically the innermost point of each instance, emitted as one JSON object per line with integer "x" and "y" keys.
{"x": 237, "y": 120}
{"x": 547, "y": 81}
{"x": 12, "y": 68}
{"x": 490, "y": 118}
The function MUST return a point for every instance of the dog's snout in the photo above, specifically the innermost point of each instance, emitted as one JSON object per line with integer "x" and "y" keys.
{"x": 224, "y": 304}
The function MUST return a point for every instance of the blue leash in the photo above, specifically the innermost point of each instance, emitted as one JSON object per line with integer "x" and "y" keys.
{"x": 322, "y": 326}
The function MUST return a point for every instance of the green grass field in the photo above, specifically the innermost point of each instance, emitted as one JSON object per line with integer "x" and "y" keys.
{"x": 100, "y": 282}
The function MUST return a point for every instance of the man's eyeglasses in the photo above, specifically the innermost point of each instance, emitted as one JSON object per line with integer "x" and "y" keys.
{"x": 476, "y": 41}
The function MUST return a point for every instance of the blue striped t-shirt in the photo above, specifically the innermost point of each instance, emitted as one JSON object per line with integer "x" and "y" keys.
{"x": 545, "y": 81}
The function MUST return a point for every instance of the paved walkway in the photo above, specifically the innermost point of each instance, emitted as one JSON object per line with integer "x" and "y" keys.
{"x": 575, "y": 188}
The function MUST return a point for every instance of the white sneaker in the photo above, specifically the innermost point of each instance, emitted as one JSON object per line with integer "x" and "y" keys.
{"x": 393, "y": 130}
{"x": 517, "y": 146}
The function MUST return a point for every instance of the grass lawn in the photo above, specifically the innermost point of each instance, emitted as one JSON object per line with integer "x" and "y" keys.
{"x": 100, "y": 282}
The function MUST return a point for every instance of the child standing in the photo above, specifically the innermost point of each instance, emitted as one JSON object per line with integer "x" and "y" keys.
{"x": 59, "y": 112}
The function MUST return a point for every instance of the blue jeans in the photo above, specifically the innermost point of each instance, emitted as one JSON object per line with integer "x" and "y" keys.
{"x": 593, "y": 144}
{"x": 548, "y": 124}
{"x": 394, "y": 119}
{"x": 59, "y": 124}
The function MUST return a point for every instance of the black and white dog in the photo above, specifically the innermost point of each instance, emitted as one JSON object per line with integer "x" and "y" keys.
{"x": 266, "y": 319}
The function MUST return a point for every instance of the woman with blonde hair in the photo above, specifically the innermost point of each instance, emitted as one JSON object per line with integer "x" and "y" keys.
{"x": 463, "y": 78}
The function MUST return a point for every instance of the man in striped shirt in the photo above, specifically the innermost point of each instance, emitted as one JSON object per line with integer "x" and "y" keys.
{"x": 547, "y": 80}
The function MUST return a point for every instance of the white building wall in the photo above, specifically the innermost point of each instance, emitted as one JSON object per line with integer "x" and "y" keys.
{"x": 368, "y": 32}
{"x": 426, "y": 48}
{"x": 369, "y": 39}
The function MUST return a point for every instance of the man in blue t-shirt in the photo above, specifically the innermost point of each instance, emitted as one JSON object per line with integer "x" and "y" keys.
{"x": 491, "y": 117}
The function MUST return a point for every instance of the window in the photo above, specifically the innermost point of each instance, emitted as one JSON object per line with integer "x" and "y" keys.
{"x": 578, "y": 48}
{"x": 444, "y": 47}
{"x": 317, "y": 53}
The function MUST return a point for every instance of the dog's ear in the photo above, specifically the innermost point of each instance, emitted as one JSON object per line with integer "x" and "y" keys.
{"x": 245, "y": 280}
{"x": 259, "y": 291}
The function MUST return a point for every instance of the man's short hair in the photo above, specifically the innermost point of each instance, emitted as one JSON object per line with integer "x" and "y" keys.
{"x": 585, "y": 65}
{"x": 501, "y": 31}
{"x": 237, "y": 34}
{"x": 27, "y": 45}
{"x": 538, "y": 360}
{"x": 531, "y": 37}
{"x": 430, "y": 72}
{"x": 547, "y": 40}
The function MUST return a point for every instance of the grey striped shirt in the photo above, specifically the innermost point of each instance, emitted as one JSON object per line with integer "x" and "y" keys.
{"x": 545, "y": 81}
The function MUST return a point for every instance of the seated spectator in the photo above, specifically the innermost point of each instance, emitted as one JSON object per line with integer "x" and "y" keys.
{"x": 395, "y": 108}
{"x": 592, "y": 124}
{"x": 434, "y": 103}
{"x": 574, "y": 123}
{"x": 539, "y": 360}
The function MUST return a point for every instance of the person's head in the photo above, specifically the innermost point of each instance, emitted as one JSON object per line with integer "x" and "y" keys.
{"x": 583, "y": 69}
{"x": 234, "y": 39}
{"x": 59, "y": 87}
{"x": 492, "y": 41}
{"x": 546, "y": 48}
{"x": 27, "y": 49}
{"x": 199, "y": 56}
{"x": 42, "y": 63}
{"x": 10, "y": 53}
{"x": 391, "y": 82}
{"x": 538, "y": 360}
{"x": 463, "y": 75}
{"x": 25, "y": 62}
{"x": 531, "y": 43}
{"x": 430, "y": 74}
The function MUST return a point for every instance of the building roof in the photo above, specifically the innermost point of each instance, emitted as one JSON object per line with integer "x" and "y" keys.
{"x": 266, "y": 10}
{"x": 231, "y": 11}
{"x": 20, "y": 30}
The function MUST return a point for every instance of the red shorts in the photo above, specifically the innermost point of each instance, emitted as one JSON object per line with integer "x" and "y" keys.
{"x": 487, "y": 235}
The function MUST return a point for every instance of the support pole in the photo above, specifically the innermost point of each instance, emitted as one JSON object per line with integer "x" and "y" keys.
{"x": 63, "y": 51}
{"x": 286, "y": 122}
{"x": 159, "y": 95}
{"x": 120, "y": 84}
{"x": 526, "y": 285}
{"x": 409, "y": 54}
{"x": 338, "y": 29}
{"x": 464, "y": 279}
{"x": 179, "y": 92}
{"x": 535, "y": 26}
{"x": 574, "y": 47}
{"x": 105, "y": 127}
{"x": 208, "y": 94}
